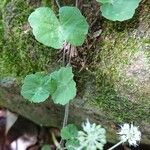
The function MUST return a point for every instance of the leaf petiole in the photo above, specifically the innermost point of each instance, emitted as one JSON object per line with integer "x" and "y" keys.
{"x": 116, "y": 145}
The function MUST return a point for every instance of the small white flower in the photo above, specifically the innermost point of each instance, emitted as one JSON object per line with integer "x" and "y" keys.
{"x": 92, "y": 137}
{"x": 130, "y": 133}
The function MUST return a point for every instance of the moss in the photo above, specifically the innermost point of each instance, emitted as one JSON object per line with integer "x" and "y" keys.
{"x": 1, "y": 32}
{"x": 121, "y": 69}
{"x": 21, "y": 53}
{"x": 122, "y": 97}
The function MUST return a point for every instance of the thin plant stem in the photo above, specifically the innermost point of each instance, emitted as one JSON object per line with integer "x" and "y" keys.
{"x": 57, "y": 2}
{"x": 57, "y": 144}
{"x": 64, "y": 57}
{"x": 116, "y": 145}
{"x": 67, "y": 105}
{"x": 76, "y": 3}
{"x": 69, "y": 61}
{"x": 66, "y": 115}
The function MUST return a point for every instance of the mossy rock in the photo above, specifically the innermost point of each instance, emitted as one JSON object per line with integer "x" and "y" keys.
{"x": 114, "y": 88}
{"x": 21, "y": 53}
{"x": 122, "y": 68}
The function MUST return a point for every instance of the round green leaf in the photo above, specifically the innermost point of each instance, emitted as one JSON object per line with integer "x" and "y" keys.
{"x": 69, "y": 132}
{"x": 66, "y": 87}
{"x": 74, "y": 25}
{"x": 72, "y": 144}
{"x": 46, "y": 27}
{"x": 119, "y": 9}
{"x": 37, "y": 87}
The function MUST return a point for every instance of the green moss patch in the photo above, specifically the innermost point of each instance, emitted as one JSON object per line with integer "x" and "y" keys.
{"x": 122, "y": 69}
{"x": 21, "y": 53}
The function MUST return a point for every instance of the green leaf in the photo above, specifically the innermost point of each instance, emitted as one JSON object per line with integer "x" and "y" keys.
{"x": 74, "y": 25}
{"x": 72, "y": 144}
{"x": 59, "y": 84}
{"x": 105, "y": 1}
{"x": 46, "y": 147}
{"x": 51, "y": 32}
{"x": 46, "y": 27}
{"x": 66, "y": 87}
{"x": 119, "y": 9}
{"x": 69, "y": 132}
{"x": 37, "y": 87}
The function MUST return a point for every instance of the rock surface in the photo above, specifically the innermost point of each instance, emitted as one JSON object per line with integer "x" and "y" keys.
{"x": 113, "y": 87}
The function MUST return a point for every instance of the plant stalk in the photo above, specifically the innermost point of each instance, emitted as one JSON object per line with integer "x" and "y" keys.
{"x": 116, "y": 145}
{"x": 66, "y": 115}
{"x": 57, "y": 2}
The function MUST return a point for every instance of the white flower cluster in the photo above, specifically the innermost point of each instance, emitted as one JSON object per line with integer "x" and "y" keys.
{"x": 130, "y": 134}
{"x": 92, "y": 137}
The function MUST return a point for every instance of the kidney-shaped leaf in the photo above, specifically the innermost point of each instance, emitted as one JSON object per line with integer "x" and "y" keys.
{"x": 119, "y": 9}
{"x": 48, "y": 30}
{"x": 66, "y": 86}
{"x": 74, "y": 25}
{"x": 46, "y": 27}
{"x": 69, "y": 132}
{"x": 36, "y": 87}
